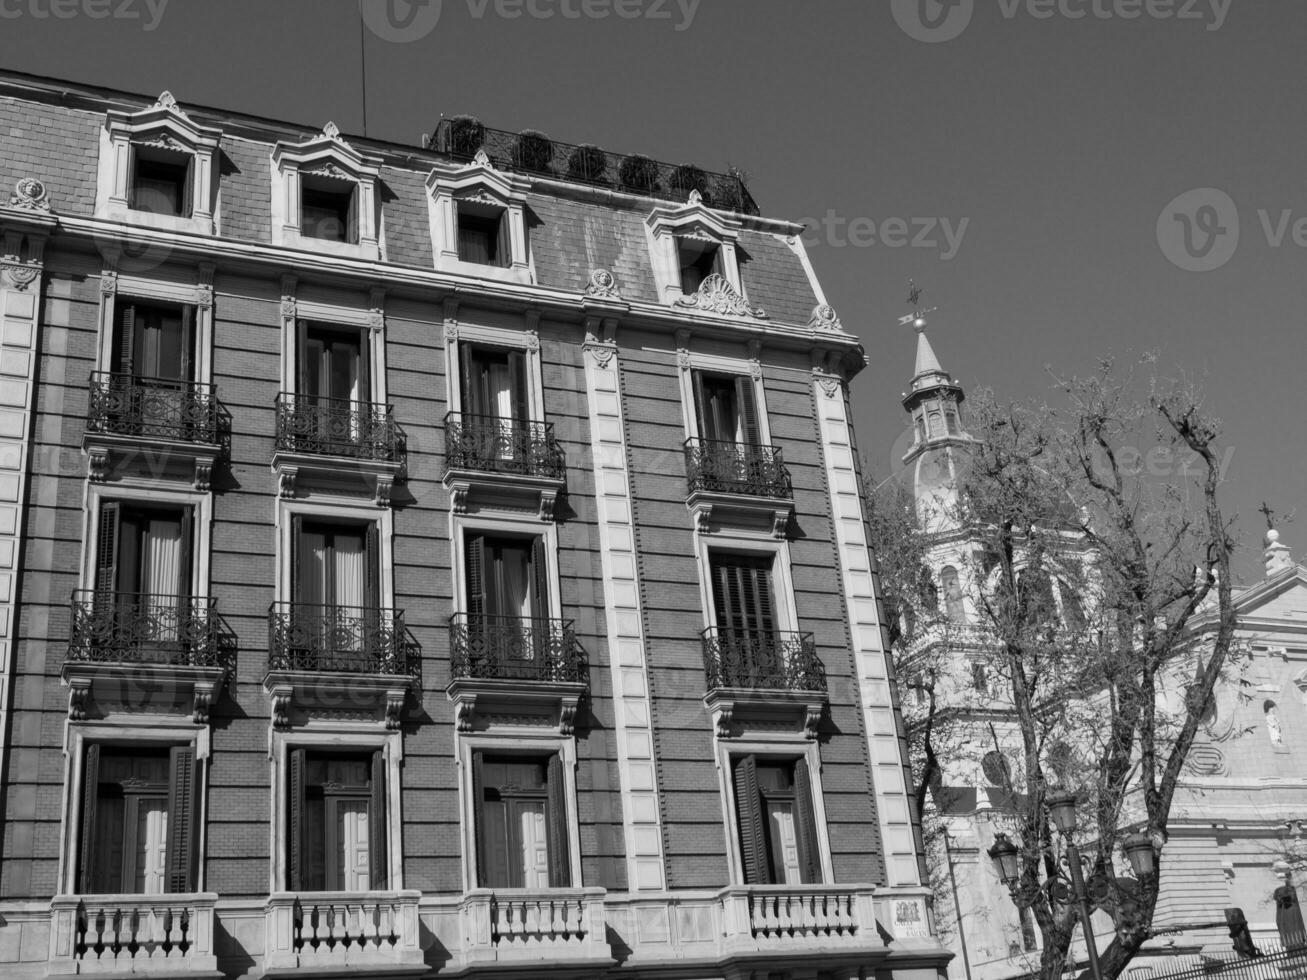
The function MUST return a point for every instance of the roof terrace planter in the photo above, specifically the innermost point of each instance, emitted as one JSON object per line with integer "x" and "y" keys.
{"x": 324, "y": 659}
{"x": 738, "y": 484}
{"x": 460, "y": 139}
{"x": 337, "y": 442}
{"x": 515, "y": 667}
{"x": 754, "y": 673}
{"x": 502, "y": 460}
{"x": 138, "y": 649}
{"x": 163, "y": 423}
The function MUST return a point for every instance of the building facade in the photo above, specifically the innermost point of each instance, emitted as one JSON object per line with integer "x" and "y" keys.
{"x": 1237, "y": 822}
{"x": 428, "y": 560}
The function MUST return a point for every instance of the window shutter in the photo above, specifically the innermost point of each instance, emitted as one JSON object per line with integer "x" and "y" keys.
{"x": 106, "y": 557}
{"x": 805, "y": 824}
{"x": 702, "y": 412}
{"x": 560, "y": 863}
{"x": 296, "y": 822}
{"x": 186, "y": 206}
{"x": 364, "y": 366}
{"x": 753, "y": 827}
{"x": 478, "y": 821}
{"x": 503, "y": 240}
{"x": 296, "y": 555}
{"x": 476, "y": 578}
{"x": 378, "y": 824}
{"x": 90, "y": 797}
{"x": 123, "y": 354}
{"x": 540, "y": 601}
{"x": 183, "y": 808}
{"x": 761, "y": 600}
{"x": 187, "y": 372}
{"x": 372, "y": 567}
{"x": 352, "y": 231}
{"x": 184, "y": 561}
{"x": 748, "y": 409}
{"x": 517, "y": 381}
{"x": 721, "y": 594}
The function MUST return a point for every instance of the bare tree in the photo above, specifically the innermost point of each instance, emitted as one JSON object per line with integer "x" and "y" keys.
{"x": 1082, "y": 575}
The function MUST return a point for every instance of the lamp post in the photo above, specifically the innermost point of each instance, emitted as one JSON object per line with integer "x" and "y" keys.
{"x": 1138, "y": 850}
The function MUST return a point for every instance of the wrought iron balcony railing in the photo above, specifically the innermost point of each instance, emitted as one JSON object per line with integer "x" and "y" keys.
{"x": 336, "y": 427}
{"x": 491, "y": 445}
{"x": 513, "y": 648}
{"x": 766, "y": 659}
{"x": 141, "y": 628}
{"x": 152, "y": 408}
{"x": 736, "y": 467}
{"x": 337, "y": 639}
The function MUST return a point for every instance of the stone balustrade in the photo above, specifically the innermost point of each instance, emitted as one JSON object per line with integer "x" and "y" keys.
{"x": 337, "y": 930}
{"x": 563, "y": 924}
{"x": 139, "y": 934}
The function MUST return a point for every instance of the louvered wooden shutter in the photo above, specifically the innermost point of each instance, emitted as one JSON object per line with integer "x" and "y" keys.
{"x": 90, "y": 799}
{"x": 372, "y": 567}
{"x": 183, "y": 811}
{"x": 469, "y": 401}
{"x": 352, "y": 231}
{"x": 378, "y": 824}
{"x": 476, "y": 579}
{"x": 540, "y": 602}
{"x": 186, "y": 206}
{"x": 763, "y": 609}
{"x": 805, "y": 825}
{"x": 753, "y": 825}
{"x": 479, "y": 820}
{"x": 188, "y": 344}
{"x": 185, "y": 559}
{"x": 295, "y": 823}
{"x": 560, "y": 870}
{"x": 307, "y": 368}
{"x": 365, "y": 366}
{"x": 296, "y": 556}
{"x": 702, "y": 412}
{"x": 517, "y": 381}
{"x": 747, "y": 406}
{"x": 106, "y": 556}
{"x": 126, "y": 347}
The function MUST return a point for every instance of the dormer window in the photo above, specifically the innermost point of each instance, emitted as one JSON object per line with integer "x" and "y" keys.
{"x": 161, "y": 181}
{"x": 480, "y": 233}
{"x": 698, "y": 259}
{"x": 328, "y": 210}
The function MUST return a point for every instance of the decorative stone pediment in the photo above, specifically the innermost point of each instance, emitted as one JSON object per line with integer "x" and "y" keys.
{"x": 479, "y": 184}
{"x": 669, "y": 226}
{"x": 164, "y": 124}
{"x": 329, "y": 155}
{"x": 716, "y": 295}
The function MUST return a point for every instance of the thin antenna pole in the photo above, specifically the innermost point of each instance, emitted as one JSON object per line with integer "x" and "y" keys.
{"x": 363, "y": 66}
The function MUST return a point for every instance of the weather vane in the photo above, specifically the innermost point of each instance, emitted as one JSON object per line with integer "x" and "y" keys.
{"x": 917, "y": 318}
{"x": 1269, "y": 514}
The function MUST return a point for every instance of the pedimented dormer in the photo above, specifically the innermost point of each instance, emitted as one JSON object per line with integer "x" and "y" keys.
{"x": 159, "y": 168}
{"x": 325, "y": 197}
{"x": 478, "y": 221}
{"x": 693, "y": 249}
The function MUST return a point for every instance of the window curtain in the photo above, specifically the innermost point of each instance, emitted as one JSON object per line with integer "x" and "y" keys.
{"x": 162, "y": 576}
{"x": 349, "y": 567}
{"x": 473, "y": 242}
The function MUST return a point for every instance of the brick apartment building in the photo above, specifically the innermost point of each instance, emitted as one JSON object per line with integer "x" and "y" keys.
{"x": 428, "y": 560}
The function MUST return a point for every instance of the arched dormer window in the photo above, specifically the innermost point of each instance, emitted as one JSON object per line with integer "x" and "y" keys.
{"x": 696, "y": 258}
{"x": 324, "y": 197}
{"x": 954, "y": 607}
{"x": 478, "y": 221}
{"x": 158, "y": 168}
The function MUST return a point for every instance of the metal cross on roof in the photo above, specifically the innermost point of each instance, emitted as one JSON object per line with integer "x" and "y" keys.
{"x": 917, "y": 318}
{"x": 1265, "y": 511}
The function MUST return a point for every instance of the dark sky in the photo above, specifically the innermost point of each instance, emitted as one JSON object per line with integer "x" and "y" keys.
{"x": 1059, "y": 140}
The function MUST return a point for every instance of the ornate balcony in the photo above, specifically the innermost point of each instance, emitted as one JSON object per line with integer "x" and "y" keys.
{"x": 152, "y": 423}
{"x": 560, "y": 927}
{"x": 135, "y": 646}
{"x": 767, "y": 671}
{"x": 830, "y": 921}
{"x": 151, "y": 935}
{"x": 493, "y": 458}
{"x": 337, "y": 442}
{"x": 359, "y": 932}
{"x": 337, "y": 658}
{"x": 515, "y": 665}
{"x": 736, "y": 482}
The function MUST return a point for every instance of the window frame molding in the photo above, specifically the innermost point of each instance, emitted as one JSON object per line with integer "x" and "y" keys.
{"x": 329, "y": 155}
{"x": 367, "y": 316}
{"x": 668, "y": 223}
{"x": 145, "y": 491}
{"x": 522, "y": 741}
{"x": 507, "y": 526}
{"x": 480, "y": 183}
{"x": 460, "y": 332}
{"x": 161, "y": 731}
{"x": 752, "y": 543}
{"x": 162, "y": 124}
{"x": 772, "y": 746}
{"x": 343, "y": 737}
{"x": 117, "y": 287}
{"x": 329, "y": 508}
{"x": 750, "y": 367}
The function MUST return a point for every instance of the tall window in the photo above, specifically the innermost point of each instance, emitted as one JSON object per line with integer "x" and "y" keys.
{"x": 161, "y": 181}
{"x": 725, "y": 408}
{"x": 337, "y": 821}
{"x": 742, "y": 594}
{"x": 494, "y": 383}
{"x": 777, "y": 827}
{"x": 480, "y": 234}
{"x": 1073, "y": 611}
{"x": 143, "y": 550}
{"x": 507, "y": 578}
{"x": 953, "y": 604}
{"x": 138, "y": 813}
{"x": 333, "y": 364}
{"x": 335, "y": 564}
{"x": 155, "y": 343}
{"x": 521, "y": 821}
{"x": 698, "y": 259}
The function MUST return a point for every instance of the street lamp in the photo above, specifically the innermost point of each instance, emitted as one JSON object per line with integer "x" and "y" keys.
{"x": 1004, "y": 855}
{"x": 1139, "y": 852}
{"x": 1062, "y": 811}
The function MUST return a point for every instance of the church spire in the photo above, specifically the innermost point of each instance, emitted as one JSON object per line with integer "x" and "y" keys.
{"x": 935, "y": 399}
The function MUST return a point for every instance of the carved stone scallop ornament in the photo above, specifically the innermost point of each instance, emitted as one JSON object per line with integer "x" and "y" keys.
{"x": 716, "y": 295}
